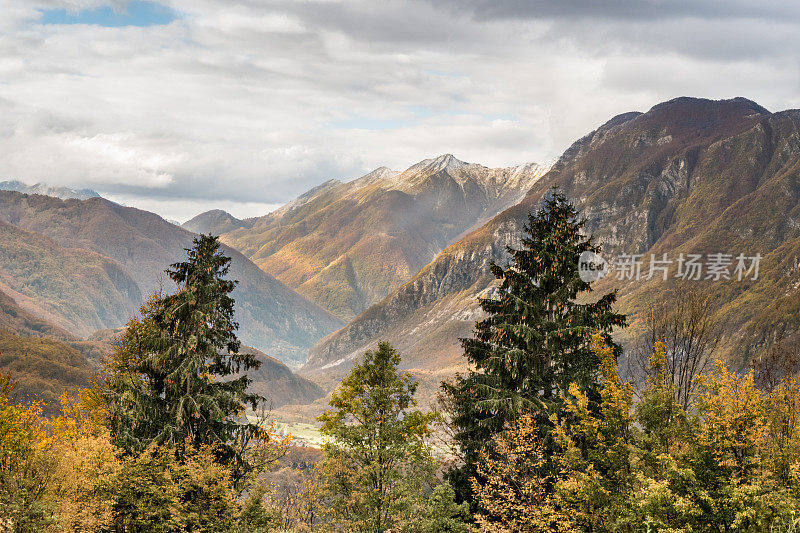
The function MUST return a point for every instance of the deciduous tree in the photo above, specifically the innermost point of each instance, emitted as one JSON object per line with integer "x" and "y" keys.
{"x": 377, "y": 463}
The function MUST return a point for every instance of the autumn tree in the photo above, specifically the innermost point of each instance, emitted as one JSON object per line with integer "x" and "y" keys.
{"x": 683, "y": 323}
{"x": 663, "y": 480}
{"x": 726, "y": 449}
{"x": 594, "y": 447}
{"x": 25, "y": 467}
{"x": 535, "y": 340}
{"x": 514, "y": 496}
{"x": 84, "y": 462}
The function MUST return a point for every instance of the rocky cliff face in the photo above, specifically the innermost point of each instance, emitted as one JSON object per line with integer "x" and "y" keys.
{"x": 348, "y": 245}
{"x": 690, "y": 175}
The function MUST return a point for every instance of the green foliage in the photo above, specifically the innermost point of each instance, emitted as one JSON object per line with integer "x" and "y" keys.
{"x": 144, "y": 494}
{"x": 440, "y": 513}
{"x": 377, "y": 464}
{"x": 535, "y": 340}
{"x": 164, "y": 385}
{"x": 156, "y": 492}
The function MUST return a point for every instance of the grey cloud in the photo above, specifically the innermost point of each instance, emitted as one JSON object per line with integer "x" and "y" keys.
{"x": 243, "y": 101}
{"x": 624, "y": 9}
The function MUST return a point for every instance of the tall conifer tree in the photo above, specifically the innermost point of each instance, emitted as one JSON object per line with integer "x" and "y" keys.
{"x": 166, "y": 383}
{"x": 535, "y": 340}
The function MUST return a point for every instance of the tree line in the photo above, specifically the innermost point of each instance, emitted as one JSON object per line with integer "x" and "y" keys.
{"x": 548, "y": 430}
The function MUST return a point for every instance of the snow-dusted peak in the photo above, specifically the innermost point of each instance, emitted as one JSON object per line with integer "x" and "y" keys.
{"x": 44, "y": 189}
{"x": 304, "y": 198}
{"x": 534, "y": 169}
{"x": 380, "y": 173}
{"x": 443, "y": 162}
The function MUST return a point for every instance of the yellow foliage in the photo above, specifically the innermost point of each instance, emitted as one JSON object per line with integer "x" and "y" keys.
{"x": 85, "y": 462}
{"x": 515, "y": 495}
{"x": 733, "y": 419}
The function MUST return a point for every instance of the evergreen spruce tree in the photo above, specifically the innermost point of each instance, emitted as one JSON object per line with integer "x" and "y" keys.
{"x": 166, "y": 382}
{"x": 535, "y": 341}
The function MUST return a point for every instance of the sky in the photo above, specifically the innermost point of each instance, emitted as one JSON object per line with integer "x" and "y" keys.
{"x": 179, "y": 106}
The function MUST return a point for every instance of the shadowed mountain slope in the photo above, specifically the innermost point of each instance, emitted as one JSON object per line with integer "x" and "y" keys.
{"x": 690, "y": 175}
{"x": 347, "y": 245}
{"x": 78, "y": 290}
{"x": 130, "y": 244}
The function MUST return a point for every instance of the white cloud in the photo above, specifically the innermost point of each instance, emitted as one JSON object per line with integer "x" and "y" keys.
{"x": 181, "y": 210}
{"x": 248, "y": 103}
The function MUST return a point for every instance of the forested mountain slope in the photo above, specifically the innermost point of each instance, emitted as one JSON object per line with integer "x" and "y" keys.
{"x": 110, "y": 257}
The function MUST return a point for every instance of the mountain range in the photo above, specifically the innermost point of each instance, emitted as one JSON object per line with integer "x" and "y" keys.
{"x": 88, "y": 264}
{"x": 404, "y": 256}
{"x": 347, "y": 245}
{"x": 688, "y": 176}
{"x": 48, "y": 190}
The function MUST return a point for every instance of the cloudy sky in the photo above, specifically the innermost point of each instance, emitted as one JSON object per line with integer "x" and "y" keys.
{"x": 178, "y": 106}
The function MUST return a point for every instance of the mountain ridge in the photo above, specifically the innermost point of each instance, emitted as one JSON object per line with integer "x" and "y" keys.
{"x": 273, "y": 317}
{"x": 44, "y": 189}
{"x": 645, "y": 181}
{"x": 346, "y": 245}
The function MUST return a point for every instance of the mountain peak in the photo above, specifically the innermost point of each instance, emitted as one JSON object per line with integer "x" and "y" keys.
{"x": 380, "y": 173}
{"x": 215, "y": 222}
{"x": 443, "y": 162}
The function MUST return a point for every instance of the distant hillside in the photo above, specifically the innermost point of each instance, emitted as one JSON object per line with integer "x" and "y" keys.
{"x": 78, "y": 290}
{"x": 214, "y": 222}
{"x": 129, "y": 244}
{"x": 43, "y": 368}
{"x": 278, "y": 384}
{"x": 347, "y": 245}
{"x": 17, "y": 320}
{"x": 47, "y": 190}
{"x": 690, "y": 175}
